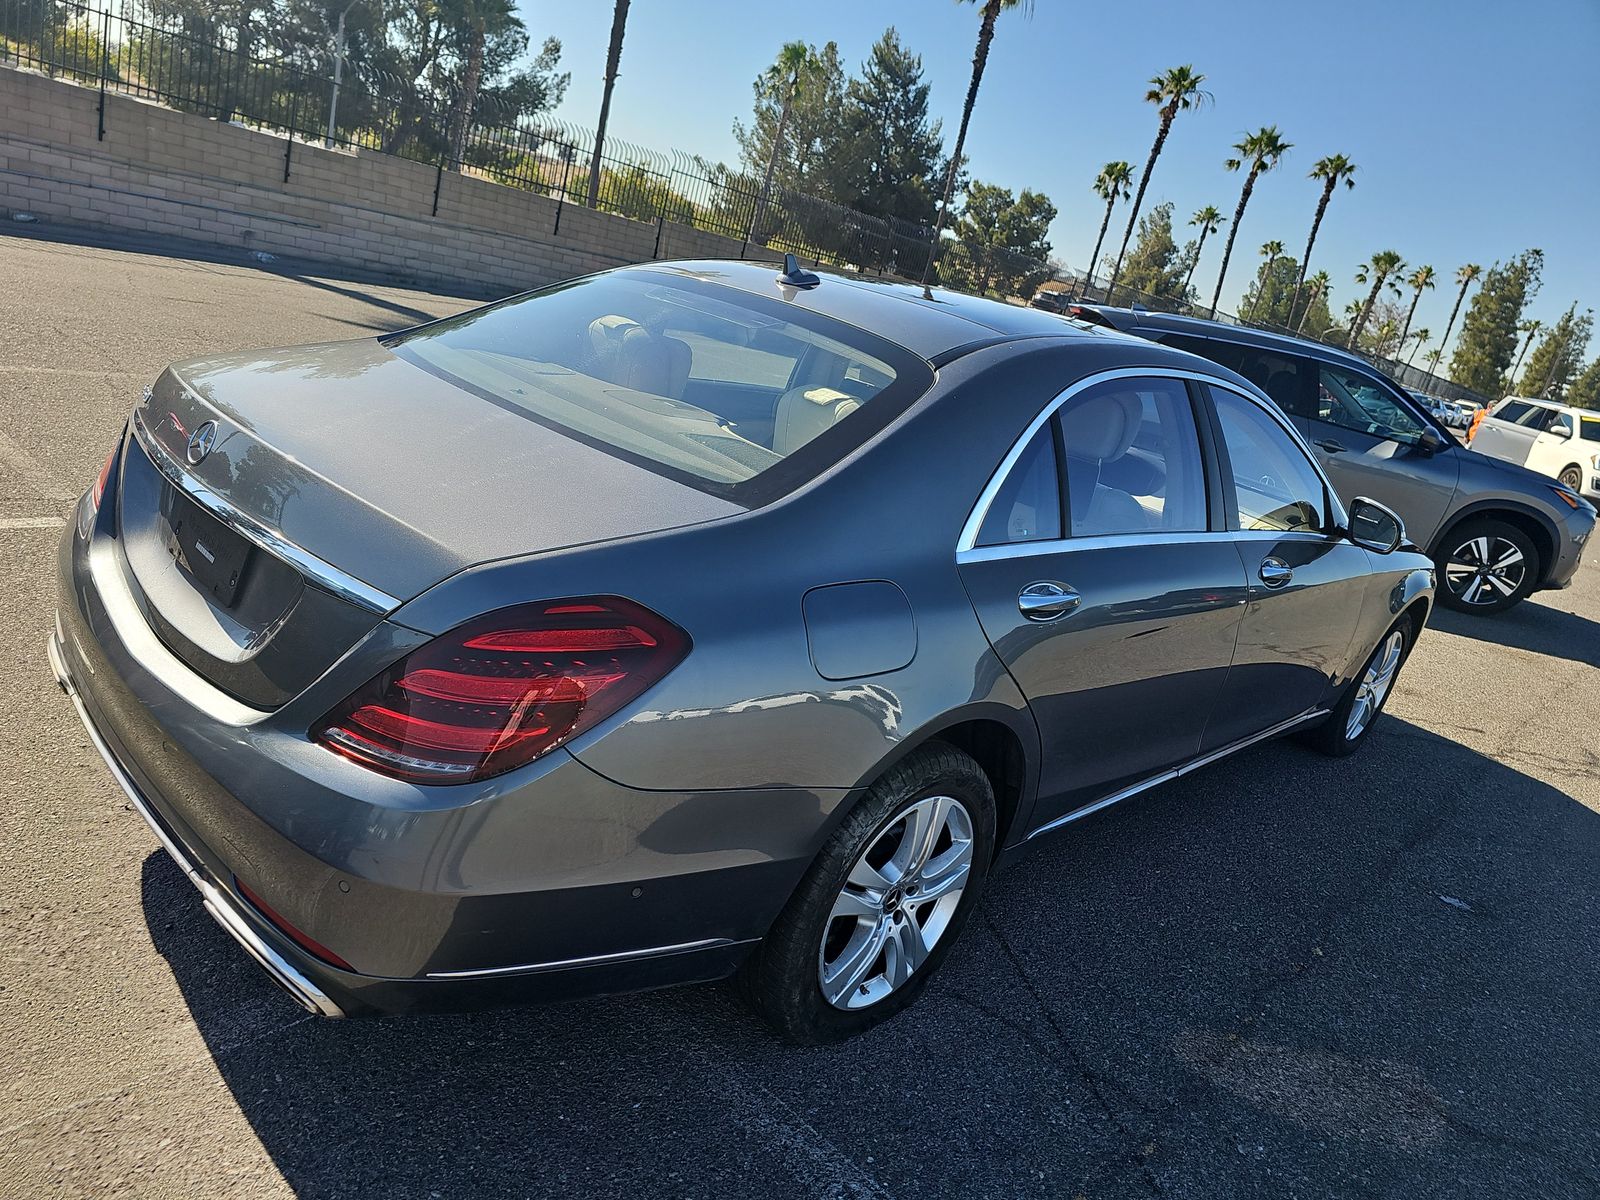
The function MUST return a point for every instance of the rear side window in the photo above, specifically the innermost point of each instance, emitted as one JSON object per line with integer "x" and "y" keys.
{"x": 1284, "y": 377}
{"x": 737, "y": 394}
{"x": 1027, "y": 508}
{"x": 1516, "y": 412}
{"x": 1275, "y": 487}
{"x": 1133, "y": 459}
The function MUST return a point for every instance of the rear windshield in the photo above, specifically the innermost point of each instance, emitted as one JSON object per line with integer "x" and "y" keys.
{"x": 737, "y": 394}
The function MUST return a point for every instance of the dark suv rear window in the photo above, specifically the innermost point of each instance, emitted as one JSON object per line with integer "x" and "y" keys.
{"x": 737, "y": 394}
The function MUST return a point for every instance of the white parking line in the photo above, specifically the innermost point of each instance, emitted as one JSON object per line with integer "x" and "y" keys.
{"x": 31, "y": 522}
{"x": 21, "y": 465}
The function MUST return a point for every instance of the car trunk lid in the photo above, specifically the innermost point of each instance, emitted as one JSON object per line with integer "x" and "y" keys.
{"x": 275, "y": 505}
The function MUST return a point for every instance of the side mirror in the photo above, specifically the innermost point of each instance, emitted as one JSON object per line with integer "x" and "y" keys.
{"x": 1430, "y": 442}
{"x": 1374, "y": 527}
{"x": 1562, "y": 429}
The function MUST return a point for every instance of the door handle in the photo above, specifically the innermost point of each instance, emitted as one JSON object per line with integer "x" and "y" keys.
{"x": 1047, "y": 600}
{"x": 1331, "y": 446}
{"x": 1275, "y": 572}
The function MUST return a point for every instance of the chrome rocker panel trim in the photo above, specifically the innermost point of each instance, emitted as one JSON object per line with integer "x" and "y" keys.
{"x": 594, "y": 960}
{"x": 1167, "y": 776}
{"x": 222, "y": 909}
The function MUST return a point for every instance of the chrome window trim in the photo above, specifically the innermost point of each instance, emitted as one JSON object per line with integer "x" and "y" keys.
{"x": 968, "y": 550}
{"x": 1172, "y": 773}
{"x": 1114, "y": 541}
{"x": 318, "y": 572}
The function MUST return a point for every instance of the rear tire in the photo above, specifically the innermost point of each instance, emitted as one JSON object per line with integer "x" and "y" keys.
{"x": 1362, "y": 704}
{"x": 874, "y": 947}
{"x": 1485, "y": 566}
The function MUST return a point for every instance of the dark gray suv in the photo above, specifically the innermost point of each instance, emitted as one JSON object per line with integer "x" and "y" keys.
{"x": 1496, "y": 531}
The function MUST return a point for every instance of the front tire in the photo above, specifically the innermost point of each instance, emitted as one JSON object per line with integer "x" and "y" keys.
{"x": 1572, "y": 477}
{"x": 1485, "y": 566}
{"x": 880, "y": 908}
{"x": 1358, "y": 709}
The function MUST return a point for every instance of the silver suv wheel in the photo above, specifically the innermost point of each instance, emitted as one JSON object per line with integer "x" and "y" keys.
{"x": 1485, "y": 570}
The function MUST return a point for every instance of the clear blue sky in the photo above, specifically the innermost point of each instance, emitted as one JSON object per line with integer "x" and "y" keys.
{"x": 1474, "y": 123}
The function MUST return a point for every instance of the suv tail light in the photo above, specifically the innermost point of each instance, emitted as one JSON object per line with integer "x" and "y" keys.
{"x": 499, "y": 691}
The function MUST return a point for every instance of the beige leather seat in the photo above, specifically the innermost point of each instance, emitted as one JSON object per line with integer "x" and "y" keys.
{"x": 624, "y": 352}
{"x": 806, "y": 411}
{"x": 1098, "y": 430}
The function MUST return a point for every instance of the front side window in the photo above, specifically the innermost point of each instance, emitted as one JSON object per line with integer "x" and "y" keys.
{"x": 1356, "y": 401}
{"x": 1275, "y": 487}
{"x": 1027, "y": 508}
{"x": 737, "y": 394}
{"x": 1589, "y": 428}
{"x": 1537, "y": 417}
{"x": 1133, "y": 459}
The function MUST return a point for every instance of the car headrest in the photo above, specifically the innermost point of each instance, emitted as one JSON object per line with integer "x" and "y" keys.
{"x": 1101, "y": 427}
{"x": 804, "y": 412}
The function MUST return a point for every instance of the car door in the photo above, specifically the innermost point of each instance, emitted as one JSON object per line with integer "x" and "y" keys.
{"x": 1554, "y": 448}
{"x": 1368, "y": 438}
{"x": 1510, "y": 430}
{"x": 1307, "y": 580}
{"x": 1097, "y": 562}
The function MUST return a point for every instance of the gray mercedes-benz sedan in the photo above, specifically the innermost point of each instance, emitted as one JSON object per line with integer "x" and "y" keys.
{"x": 683, "y": 620}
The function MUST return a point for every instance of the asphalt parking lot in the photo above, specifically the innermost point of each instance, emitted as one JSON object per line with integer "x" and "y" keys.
{"x": 1280, "y": 976}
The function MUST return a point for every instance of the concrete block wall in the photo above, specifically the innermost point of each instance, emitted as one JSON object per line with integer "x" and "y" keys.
{"x": 162, "y": 172}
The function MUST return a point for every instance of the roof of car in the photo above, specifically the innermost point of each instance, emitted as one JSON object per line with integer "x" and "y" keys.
{"x": 928, "y": 322}
{"x": 1131, "y": 320}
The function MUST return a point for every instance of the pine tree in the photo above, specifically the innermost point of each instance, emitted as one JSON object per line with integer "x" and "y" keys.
{"x": 886, "y": 159}
{"x": 1585, "y": 389}
{"x": 1489, "y": 334}
{"x": 1157, "y": 270}
{"x": 1558, "y": 357}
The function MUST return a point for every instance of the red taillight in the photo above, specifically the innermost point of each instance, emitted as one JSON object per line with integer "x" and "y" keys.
{"x": 304, "y": 941}
{"x": 99, "y": 488}
{"x": 500, "y": 691}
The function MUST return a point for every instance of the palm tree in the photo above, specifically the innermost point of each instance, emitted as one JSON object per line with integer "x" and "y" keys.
{"x": 619, "y": 23}
{"x": 980, "y": 58}
{"x": 783, "y": 81}
{"x": 1421, "y": 337}
{"x": 1352, "y": 314}
{"x": 477, "y": 15}
{"x": 1259, "y": 151}
{"x": 1172, "y": 91}
{"x": 1382, "y": 265}
{"x": 1319, "y": 287}
{"x": 1110, "y": 185}
{"x": 1332, "y": 170}
{"x": 1422, "y": 280}
{"x": 1271, "y": 251}
{"x": 1210, "y": 220}
{"x": 1530, "y": 328}
{"x": 1464, "y": 276}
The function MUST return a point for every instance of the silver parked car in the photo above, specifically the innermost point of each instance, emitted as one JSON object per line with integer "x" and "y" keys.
{"x": 682, "y": 619}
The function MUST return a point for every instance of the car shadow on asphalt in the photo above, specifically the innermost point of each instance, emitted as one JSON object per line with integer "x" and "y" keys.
{"x": 1278, "y": 972}
{"x": 1528, "y": 626}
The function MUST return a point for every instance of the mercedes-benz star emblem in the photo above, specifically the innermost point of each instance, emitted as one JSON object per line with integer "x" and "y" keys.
{"x": 201, "y": 441}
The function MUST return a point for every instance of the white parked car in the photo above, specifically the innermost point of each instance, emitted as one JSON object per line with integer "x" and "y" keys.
{"x": 1553, "y": 439}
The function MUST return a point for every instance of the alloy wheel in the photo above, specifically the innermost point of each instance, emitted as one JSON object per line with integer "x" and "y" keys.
{"x": 1572, "y": 477}
{"x": 1375, "y": 684}
{"x": 896, "y": 903}
{"x": 1485, "y": 569}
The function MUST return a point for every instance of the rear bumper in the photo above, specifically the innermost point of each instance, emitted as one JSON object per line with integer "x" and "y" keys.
{"x": 550, "y": 882}
{"x": 218, "y": 903}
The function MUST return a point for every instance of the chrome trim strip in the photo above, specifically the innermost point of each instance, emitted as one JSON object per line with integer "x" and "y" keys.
{"x": 591, "y": 961}
{"x": 307, "y": 994}
{"x": 1114, "y": 541}
{"x": 968, "y": 541}
{"x": 319, "y": 573}
{"x": 1169, "y": 775}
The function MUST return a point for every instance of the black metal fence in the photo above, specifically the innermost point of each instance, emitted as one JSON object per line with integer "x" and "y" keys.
{"x": 294, "y": 88}
{"x": 247, "y": 76}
